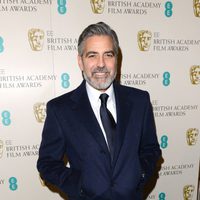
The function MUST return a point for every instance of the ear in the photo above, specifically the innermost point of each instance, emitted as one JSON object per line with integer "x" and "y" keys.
{"x": 80, "y": 62}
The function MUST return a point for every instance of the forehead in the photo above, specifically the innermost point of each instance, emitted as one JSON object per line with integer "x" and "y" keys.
{"x": 98, "y": 42}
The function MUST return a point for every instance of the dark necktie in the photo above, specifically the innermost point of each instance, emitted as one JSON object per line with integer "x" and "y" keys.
{"x": 108, "y": 123}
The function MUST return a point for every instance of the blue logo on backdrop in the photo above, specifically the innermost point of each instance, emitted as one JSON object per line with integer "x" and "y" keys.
{"x": 164, "y": 142}
{"x": 6, "y": 118}
{"x": 62, "y": 9}
{"x": 1, "y": 45}
{"x": 162, "y": 196}
{"x": 168, "y": 9}
{"x": 65, "y": 80}
{"x": 166, "y": 78}
{"x": 13, "y": 183}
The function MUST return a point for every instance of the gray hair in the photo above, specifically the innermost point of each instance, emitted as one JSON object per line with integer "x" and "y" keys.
{"x": 99, "y": 28}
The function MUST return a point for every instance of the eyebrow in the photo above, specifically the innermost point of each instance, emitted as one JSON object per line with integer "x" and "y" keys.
{"x": 90, "y": 52}
{"x": 94, "y": 52}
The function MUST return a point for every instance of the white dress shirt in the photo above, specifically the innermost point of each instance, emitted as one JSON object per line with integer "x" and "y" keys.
{"x": 95, "y": 102}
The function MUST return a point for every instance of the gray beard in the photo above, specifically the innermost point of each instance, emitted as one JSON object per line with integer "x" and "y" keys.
{"x": 100, "y": 86}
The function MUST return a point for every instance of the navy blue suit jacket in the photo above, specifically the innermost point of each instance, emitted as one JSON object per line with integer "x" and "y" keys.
{"x": 72, "y": 129}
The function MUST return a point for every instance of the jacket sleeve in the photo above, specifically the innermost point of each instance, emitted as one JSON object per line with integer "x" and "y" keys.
{"x": 50, "y": 163}
{"x": 149, "y": 152}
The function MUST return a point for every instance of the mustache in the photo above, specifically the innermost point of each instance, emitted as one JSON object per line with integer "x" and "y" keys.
{"x": 100, "y": 70}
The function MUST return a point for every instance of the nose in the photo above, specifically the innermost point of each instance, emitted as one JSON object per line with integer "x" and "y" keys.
{"x": 101, "y": 61}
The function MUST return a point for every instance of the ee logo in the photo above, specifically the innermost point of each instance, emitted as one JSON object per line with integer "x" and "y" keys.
{"x": 65, "y": 80}
{"x": 166, "y": 78}
{"x": 6, "y": 118}
{"x": 62, "y": 6}
{"x": 13, "y": 183}
{"x": 1, "y": 45}
{"x": 162, "y": 196}
{"x": 168, "y": 9}
{"x": 164, "y": 142}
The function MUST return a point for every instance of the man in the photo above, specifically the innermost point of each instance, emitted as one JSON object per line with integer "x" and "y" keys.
{"x": 103, "y": 164}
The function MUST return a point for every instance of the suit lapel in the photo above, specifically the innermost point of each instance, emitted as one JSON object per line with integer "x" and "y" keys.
{"x": 85, "y": 115}
{"x": 123, "y": 108}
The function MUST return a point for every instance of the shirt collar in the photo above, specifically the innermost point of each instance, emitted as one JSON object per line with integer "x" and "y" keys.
{"x": 94, "y": 94}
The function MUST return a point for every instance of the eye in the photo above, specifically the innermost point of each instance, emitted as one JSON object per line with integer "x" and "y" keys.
{"x": 91, "y": 56}
{"x": 109, "y": 54}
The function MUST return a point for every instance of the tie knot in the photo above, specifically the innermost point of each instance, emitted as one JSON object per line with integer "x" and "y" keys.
{"x": 104, "y": 98}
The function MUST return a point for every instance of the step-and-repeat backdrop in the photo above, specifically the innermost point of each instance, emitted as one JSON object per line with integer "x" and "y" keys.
{"x": 160, "y": 43}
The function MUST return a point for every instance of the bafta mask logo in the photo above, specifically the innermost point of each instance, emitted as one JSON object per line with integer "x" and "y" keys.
{"x": 1, "y": 148}
{"x": 192, "y": 136}
{"x": 40, "y": 112}
{"x": 36, "y": 39}
{"x": 188, "y": 191}
{"x": 144, "y": 40}
{"x": 97, "y": 6}
{"x": 196, "y": 5}
{"x": 195, "y": 74}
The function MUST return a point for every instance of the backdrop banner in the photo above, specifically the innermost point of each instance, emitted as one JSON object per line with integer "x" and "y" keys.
{"x": 160, "y": 53}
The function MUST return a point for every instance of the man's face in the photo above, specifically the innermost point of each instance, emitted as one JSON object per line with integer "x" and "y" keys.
{"x": 98, "y": 62}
